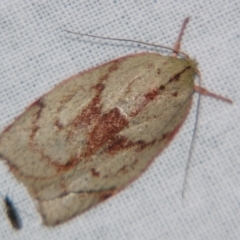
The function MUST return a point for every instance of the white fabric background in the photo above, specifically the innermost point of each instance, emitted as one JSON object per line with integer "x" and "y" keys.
{"x": 35, "y": 55}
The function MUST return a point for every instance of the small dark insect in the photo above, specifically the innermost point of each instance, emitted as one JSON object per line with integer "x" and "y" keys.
{"x": 12, "y": 214}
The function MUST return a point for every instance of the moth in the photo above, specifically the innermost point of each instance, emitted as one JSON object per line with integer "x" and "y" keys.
{"x": 97, "y": 131}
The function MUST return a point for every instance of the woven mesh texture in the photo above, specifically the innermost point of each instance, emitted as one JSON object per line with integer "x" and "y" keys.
{"x": 36, "y": 54}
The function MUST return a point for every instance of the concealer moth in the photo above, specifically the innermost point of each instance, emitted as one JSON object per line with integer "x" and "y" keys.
{"x": 97, "y": 131}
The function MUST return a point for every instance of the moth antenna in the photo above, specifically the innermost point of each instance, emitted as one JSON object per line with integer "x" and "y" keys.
{"x": 189, "y": 161}
{"x": 201, "y": 91}
{"x": 128, "y": 40}
{"x": 177, "y": 45}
